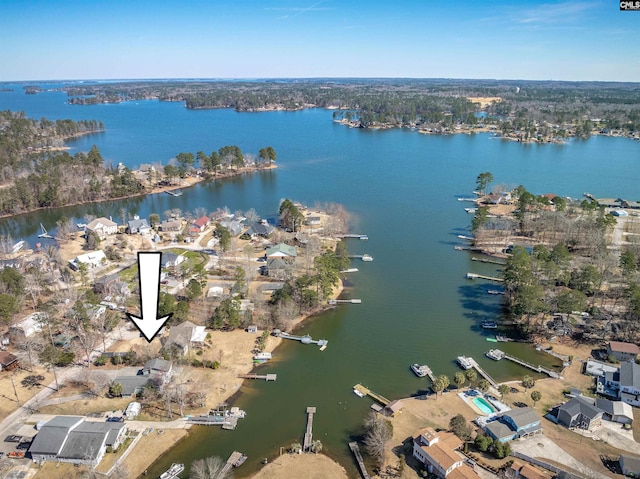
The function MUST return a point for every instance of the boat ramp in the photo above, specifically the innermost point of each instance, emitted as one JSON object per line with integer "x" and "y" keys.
{"x": 268, "y": 377}
{"x": 368, "y": 392}
{"x": 308, "y": 435}
{"x": 356, "y": 452}
{"x": 482, "y": 276}
{"x": 306, "y": 339}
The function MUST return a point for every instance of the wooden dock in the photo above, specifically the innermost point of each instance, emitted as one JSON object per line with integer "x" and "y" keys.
{"x": 481, "y": 276}
{"x": 304, "y": 339}
{"x": 268, "y": 377}
{"x": 356, "y": 452}
{"x": 368, "y": 392}
{"x": 233, "y": 459}
{"x": 308, "y": 435}
{"x": 344, "y": 301}
{"x": 482, "y": 372}
{"x": 353, "y": 236}
{"x": 488, "y": 260}
{"x": 538, "y": 369}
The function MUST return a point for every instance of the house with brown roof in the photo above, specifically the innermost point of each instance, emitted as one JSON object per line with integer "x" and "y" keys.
{"x": 622, "y": 351}
{"x": 522, "y": 470}
{"x": 202, "y": 223}
{"x": 7, "y": 361}
{"x": 438, "y": 452}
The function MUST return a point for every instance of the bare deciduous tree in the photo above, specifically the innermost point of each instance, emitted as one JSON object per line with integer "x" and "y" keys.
{"x": 209, "y": 468}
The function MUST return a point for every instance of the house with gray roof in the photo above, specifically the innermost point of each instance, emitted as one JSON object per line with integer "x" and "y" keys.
{"x": 171, "y": 260}
{"x": 138, "y": 225}
{"x": 630, "y": 383}
{"x": 513, "y": 424}
{"x": 158, "y": 369}
{"x": 185, "y": 337}
{"x": 580, "y": 412}
{"x": 616, "y": 411}
{"x": 132, "y": 386}
{"x": 262, "y": 229}
{"x": 71, "y": 439}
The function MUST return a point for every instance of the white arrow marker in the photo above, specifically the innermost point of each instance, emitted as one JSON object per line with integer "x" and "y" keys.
{"x": 149, "y": 274}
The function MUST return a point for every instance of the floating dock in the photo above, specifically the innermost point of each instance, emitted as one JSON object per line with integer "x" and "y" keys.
{"x": 482, "y": 372}
{"x": 368, "y": 392}
{"x": 304, "y": 339}
{"x": 482, "y": 276}
{"x": 363, "y": 257}
{"x": 344, "y": 301}
{"x": 174, "y": 192}
{"x": 268, "y": 377}
{"x": 353, "y": 236}
{"x": 356, "y": 452}
{"x": 308, "y": 435}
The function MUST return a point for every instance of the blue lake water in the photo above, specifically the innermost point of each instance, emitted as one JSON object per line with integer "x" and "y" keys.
{"x": 402, "y": 189}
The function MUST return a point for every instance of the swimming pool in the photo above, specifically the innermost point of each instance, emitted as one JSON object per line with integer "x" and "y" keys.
{"x": 483, "y": 405}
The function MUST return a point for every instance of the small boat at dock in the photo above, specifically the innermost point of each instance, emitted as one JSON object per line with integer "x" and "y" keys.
{"x": 366, "y": 257}
{"x": 464, "y": 362}
{"x": 494, "y": 291}
{"x": 358, "y": 393}
{"x": 465, "y": 237}
{"x": 489, "y": 325}
{"x": 172, "y": 472}
{"x": 494, "y": 354}
{"x": 175, "y": 192}
{"x": 471, "y": 210}
{"x": 420, "y": 371}
{"x": 240, "y": 461}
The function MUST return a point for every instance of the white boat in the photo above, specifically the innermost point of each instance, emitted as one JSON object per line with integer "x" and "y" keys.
{"x": 420, "y": 371}
{"x": 471, "y": 210}
{"x": 358, "y": 393}
{"x": 262, "y": 356}
{"x": 494, "y": 354}
{"x": 489, "y": 325}
{"x": 172, "y": 472}
{"x": 350, "y": 270}
{"x": 366, "y": 257}
{"x": 464, "y": 362}
{"x": 18, "y": 246}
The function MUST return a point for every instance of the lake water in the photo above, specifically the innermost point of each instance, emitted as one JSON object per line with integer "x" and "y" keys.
{"x": 402, "y": 189}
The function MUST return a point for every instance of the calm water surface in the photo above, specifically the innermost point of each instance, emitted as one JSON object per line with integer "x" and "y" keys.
{"x": 401, "y": 188}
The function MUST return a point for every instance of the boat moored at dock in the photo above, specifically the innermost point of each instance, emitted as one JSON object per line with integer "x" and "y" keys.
{"x": 420, "y": 371}
{"x": 489, "y": 325}
{"x": 494, "y": 354}
{"x": 464, "y": 362}
{"x": 172, "y": 472}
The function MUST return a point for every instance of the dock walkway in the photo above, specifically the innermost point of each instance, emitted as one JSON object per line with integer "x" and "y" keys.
{"x": 538, "y": 369}
{"x": 308, "y": 435}
{"x": 304, "y": 339}
{"x": 488, "y": 260}
{"x": 482, "y": 372}
{"x": 268, "y": 377}
{"x": 482, "y": 276}
{"x": 356, "y": 452}
{"x": 354, "y": 236}
{"x": 368, "y": 392}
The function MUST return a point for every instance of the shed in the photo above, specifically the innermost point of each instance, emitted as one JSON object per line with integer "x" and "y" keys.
{"x": 133, "y": 409}
{"x": 8, "y": 361}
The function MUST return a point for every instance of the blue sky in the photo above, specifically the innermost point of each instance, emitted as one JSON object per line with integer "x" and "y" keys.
{"x": 88, "y": 39}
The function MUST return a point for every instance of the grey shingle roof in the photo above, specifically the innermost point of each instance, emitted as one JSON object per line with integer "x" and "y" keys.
{"x": 499, "y": 429}
{"x": 579, "y": 405}
{"x": 82, "y": 445}
{"x": 630, "y": 374}
{"x": 131, "y": 383}
{"x": 522, "y": 416}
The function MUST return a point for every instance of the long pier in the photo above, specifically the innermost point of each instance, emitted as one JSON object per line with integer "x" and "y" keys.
{"x": 482, "y": 372}
{"x": 268, "y": 377}
{"x": 538, "y": 369}
{"x": 354, "y": 236}
{"x": 304, "y": 339}
{"x": 308, "y": 435}
{"x": 356, "y": 452}
{"x": 487, "y": 260}
{"x": 368, "y": 392}
{"x": 340, "y": 301}
{"x": 482, "y": 276}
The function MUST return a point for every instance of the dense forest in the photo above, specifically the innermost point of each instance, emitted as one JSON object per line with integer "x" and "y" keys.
{"x": 524, "y": 109}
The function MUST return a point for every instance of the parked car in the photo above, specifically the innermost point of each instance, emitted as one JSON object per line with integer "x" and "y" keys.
{"x": 115, "y": 419}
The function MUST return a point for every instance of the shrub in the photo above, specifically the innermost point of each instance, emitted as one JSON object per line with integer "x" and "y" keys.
{"x": 100, "y": 360}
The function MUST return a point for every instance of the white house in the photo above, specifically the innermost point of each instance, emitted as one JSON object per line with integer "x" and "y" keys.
{"x": 102, "y": 227}
{"x": 171, "y": 260}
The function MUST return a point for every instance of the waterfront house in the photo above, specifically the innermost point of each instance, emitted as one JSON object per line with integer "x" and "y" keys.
{"x": 171, "y": 225}
{"x": 580, "y": 412}
{"x": 185, "y": 337}
{"x": 513, "y": 424}
{"x": 102, "y": 227}
{"x": 8, "y": 361}
{"x": 202, "y": 223}
{"x": 92, "y": 259}
{"x": 622, "y": 351}
{"x": 262, "y": 229}
{"x": 630, "y": 383}
{"x": 438, "y": 452}
{"x": 630, "y": 465}
{"x": 616, "y": 411}
{"x": 282, "y": 250}
{"x": 171, "y": 260}
{"x": 138, "y": 225}
{"x": 74, "y": 440}
{"x": 234, "y": 227}
{"x": 26, "y": 327}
